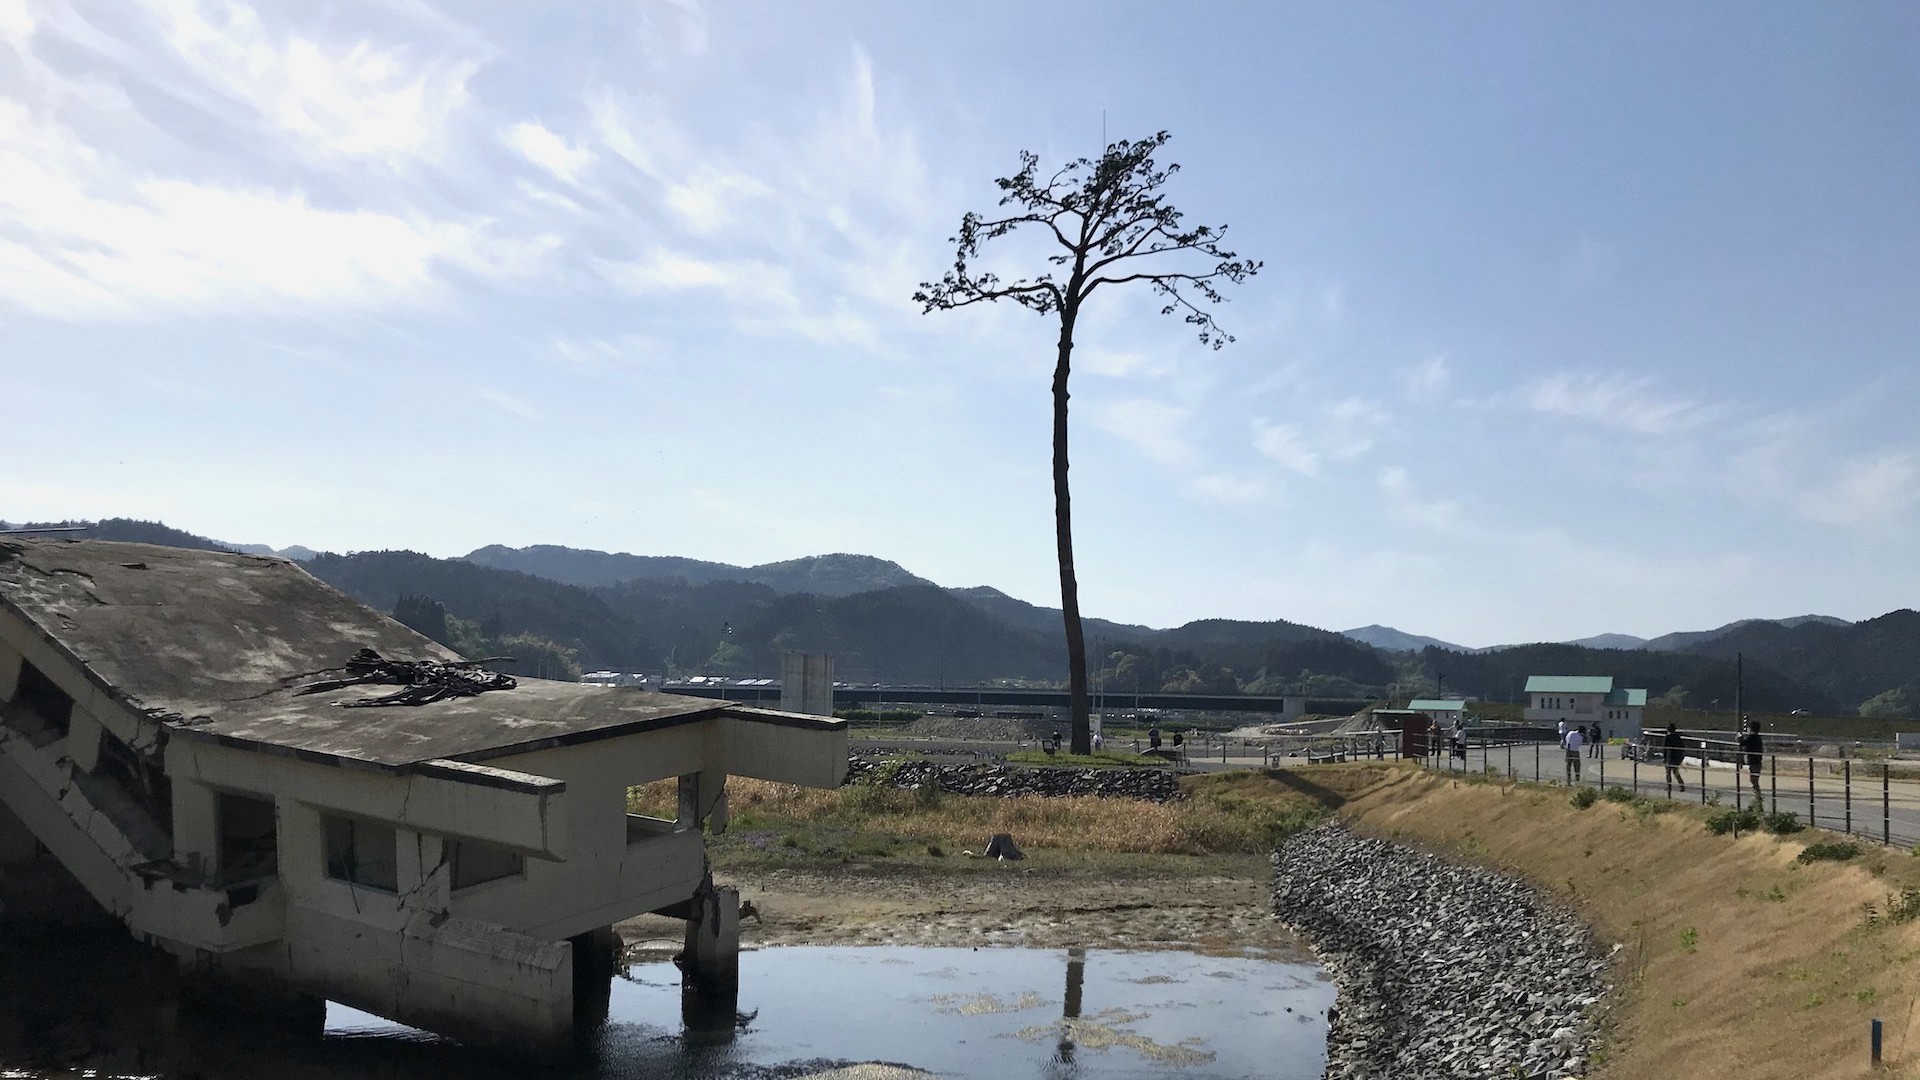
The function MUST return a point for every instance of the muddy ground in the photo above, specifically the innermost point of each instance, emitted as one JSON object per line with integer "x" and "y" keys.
{"x": 1031, "y": 904}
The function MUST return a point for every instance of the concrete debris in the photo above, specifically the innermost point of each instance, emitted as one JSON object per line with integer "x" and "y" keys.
{"x": 1443, "y": 970}
{"x": 420, "y": 681}
{"x": 1147, "y": 785}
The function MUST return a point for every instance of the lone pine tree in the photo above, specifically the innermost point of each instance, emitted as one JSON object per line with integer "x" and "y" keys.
{"x": 1112, "y": 225}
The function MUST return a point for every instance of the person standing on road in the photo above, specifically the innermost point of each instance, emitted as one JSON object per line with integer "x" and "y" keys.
{"x": 1676, "y": 752}
{"x": 1595, "y": 740}
{"x": 1460, "y": 739}
{"x": 1571, "y": 742}
{"x": 1755, "y": 750}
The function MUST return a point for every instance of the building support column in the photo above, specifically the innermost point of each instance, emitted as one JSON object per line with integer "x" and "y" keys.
{"x": 596, "y": 959}
{"x": 710, "y": 963}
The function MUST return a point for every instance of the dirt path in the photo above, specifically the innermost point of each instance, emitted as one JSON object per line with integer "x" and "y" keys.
{"x": 1020, "y": 904}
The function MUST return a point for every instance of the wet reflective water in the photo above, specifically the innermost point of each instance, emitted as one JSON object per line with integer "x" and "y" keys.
{"x": 961, "y": 1013}
{"x": 969, "y": 1013}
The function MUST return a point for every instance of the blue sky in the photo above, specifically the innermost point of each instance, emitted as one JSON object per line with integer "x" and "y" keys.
{"x": 1574, "y": 318}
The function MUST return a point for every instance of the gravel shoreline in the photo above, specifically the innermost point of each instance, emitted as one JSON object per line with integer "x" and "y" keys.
{"x": 1442, "y": 970}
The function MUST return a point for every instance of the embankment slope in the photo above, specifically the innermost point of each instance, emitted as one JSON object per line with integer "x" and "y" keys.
{"x": 1739, "y": 961}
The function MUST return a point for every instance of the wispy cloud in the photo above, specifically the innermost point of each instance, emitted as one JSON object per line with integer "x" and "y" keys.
{"x": 1287, "y": 445}
{"x": 607, "y": 353}
{"x": 1618, "y": 401}
{"x": 86, "y": 233}
{"x": 1429, "y": 379}
{"x": 533, "y": 141}
{"x": 354, "y": 98}
{"x": 509, "y": 403}
{"x": 1155, "y": 428}
{"x": 1344, "y": 431}
{"x": 1351, "y": 426}
{"x": 1228, "y": 489}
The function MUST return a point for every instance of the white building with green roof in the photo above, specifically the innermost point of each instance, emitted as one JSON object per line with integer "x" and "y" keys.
{"x": 1447, "y": 711}
{"x": 1585, "y": 700}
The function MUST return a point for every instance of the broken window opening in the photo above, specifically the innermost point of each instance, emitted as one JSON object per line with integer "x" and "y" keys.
{"x": 39, "y": 707}
{"x": 477, "y": 864}
{"x": 146, "y": 785}
{"x": 249, "y": 837}
{"x": 362, "y": 853}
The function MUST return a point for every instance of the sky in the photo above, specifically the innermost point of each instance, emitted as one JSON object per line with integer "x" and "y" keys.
{"x": 1572, "y": 319}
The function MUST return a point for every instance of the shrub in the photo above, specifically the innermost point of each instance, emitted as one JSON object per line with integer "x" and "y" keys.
{"x": 1727, "y": 821}
{"x": 1585, "y": 797}
{"x": 1617, "y": 794}
{"x": 1783, "y": 822}
{"x": 1832, "y": 850}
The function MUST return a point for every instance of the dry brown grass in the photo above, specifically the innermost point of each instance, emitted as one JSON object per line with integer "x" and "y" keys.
{"x": 1737, "y": 961}
{"x": 1246, "y": 814}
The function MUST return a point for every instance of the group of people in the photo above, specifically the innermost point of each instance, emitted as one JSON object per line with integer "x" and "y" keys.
{"x": 1577, "y": 738}
{"x": 1454, "y": 741}
{"x": 1752, "y": 753}
{"x": 1587, "y": 740}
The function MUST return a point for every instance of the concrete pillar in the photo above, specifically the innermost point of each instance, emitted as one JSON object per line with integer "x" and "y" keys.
{"x": 710, "y": 964}
{"x": 596, "y": 959}
{"x": 196, "y": 826}
{"x": 83, "y": 739}
{"x": 806, "y": 683}
{"x": 17, "y": 842}
{"x": 9, "y": 671}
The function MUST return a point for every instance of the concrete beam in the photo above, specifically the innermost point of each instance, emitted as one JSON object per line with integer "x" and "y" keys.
{"x": 787, "y": 748}
{"x": 517, "y": 811}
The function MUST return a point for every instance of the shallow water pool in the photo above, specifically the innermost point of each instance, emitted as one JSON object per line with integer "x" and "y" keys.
{"x": 964, "y": 1013}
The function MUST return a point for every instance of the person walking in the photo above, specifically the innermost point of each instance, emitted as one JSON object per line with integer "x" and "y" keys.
{"x": 1572, "y": 742}
{"x": 1460, "y": 739}
{"x": 1755, "y": 750}
{"x": 1676, "y": 752}
{"x": 1595, "y": 740}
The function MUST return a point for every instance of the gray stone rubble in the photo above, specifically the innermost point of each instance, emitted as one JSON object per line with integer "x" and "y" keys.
{"x": 1150, "y": 785}
{"x": 1443, "y": 970}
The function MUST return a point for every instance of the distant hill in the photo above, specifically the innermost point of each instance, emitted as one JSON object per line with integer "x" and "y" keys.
{"x": 1688, "y": 639}
{"x": 821, "y": 575}
{"x": 834, "y": 575}
{"x": 126, "y": 530}
{"x": 578, "y": 566}
{"x": 1386, "y": 637}
{"x": 1035, "y": 619}
{"x": 1501, "y": 674}
{"x": 654, "y": 613}
{"x": 501, "y": 602}
{"x": 1610, "y": 641}
{"x": 297, "y": 552}
{"x": 1845, "y": 662}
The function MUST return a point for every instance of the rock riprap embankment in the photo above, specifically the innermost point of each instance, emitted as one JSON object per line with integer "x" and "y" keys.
{"x": 1443, "y": 970}
{"x": 1150, "y": 785}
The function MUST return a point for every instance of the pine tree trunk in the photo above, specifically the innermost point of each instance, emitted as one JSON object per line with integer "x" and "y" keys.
{"x": 1063, "y": 534}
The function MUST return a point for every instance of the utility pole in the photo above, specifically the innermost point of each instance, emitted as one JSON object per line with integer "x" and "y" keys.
{"x": 1739, "y": 685}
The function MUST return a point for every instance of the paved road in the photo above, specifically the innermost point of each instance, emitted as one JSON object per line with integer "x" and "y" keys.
{"x": 1828, "y": 802}
{"x": 1785, "y": 784}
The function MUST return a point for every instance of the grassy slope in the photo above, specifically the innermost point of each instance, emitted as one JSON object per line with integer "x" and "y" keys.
{"x": 1738, "y": 960}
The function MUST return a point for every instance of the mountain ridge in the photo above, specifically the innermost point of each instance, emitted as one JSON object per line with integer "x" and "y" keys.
{"x": 887, "y": 623}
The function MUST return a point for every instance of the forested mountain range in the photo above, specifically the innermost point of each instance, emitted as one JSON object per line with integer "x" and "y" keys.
{"x": 883, "y": 623}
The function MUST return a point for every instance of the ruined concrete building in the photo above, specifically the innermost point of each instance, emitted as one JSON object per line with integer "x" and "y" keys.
{"x": 454, "y": 865}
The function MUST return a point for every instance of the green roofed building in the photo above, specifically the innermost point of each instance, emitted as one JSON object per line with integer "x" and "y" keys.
{"x": 1445, "y": 710}
{"x": 1585, "y": 700}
